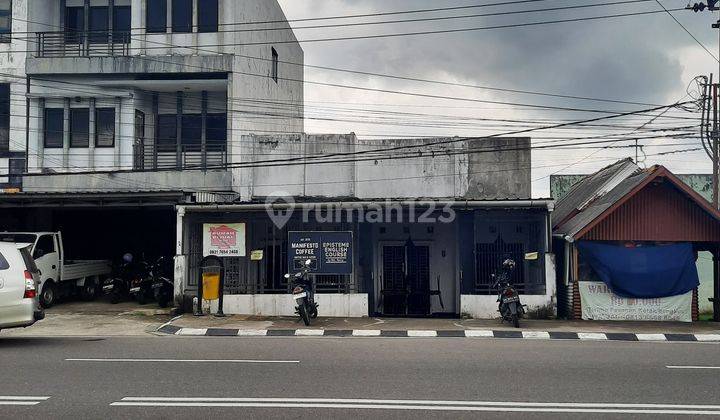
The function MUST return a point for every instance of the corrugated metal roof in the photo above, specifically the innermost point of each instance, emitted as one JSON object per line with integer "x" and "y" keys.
{"x": 591, "y": 187}
{"x": 588, "y": 214}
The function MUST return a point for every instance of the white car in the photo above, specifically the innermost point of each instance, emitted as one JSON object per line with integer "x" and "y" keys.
{"x": 19, "y": 304}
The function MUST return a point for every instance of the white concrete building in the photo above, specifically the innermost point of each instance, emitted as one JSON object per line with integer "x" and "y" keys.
{"x": 140, "y": 85}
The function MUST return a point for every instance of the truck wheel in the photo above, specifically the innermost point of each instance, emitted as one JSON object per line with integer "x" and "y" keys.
{"x": 48, "y": 296}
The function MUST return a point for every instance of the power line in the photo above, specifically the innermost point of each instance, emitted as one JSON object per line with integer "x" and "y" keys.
{"x": 687, "y": 31}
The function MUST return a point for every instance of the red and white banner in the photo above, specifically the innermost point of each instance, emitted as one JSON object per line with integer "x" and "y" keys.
{"x": 224, "y": 239}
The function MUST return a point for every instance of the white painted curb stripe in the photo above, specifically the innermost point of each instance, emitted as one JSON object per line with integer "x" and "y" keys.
{"x": 592, "y": 336}
{"x": 308, "y": 332}
{"x": 693, "y": 367}
{"x": 366, "y": 333}
{"x": 707, "y": 337}
{"x": 181, "y": 361}
{"x": 543, "y": 335}
{"x": 192, "y": 331}
{"x": 422, "y": 333}
{"x": 479, "y": 333}
{"x": 248, "y": 333}
{"x": 651, "y": 337}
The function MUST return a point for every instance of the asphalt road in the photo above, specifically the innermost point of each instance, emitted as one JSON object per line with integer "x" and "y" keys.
{"x": 174, "y": 377}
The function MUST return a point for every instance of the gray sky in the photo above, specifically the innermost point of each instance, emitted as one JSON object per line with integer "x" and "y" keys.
{"x": 647, "y": 58}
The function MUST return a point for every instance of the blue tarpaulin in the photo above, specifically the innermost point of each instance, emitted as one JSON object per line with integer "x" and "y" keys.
{"x": 643, "y": 272}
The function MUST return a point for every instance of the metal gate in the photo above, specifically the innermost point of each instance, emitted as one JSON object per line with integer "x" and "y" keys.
{"x": 490, "y": 256}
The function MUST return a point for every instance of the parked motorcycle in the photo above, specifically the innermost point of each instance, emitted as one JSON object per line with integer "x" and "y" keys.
{"x": 509, "y": 305}
{"x": 162, "y": 282}
{"x": 304, "y": 294}
{"x": 126, "y": 281}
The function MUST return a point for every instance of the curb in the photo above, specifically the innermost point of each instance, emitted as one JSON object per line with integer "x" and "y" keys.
{"x": 516, "y": 334}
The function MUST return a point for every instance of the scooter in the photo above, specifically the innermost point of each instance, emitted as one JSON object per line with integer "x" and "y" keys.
{"x": 509, "y": 305}
{"x": 303, "y": 294}
{"x": 162, "y": 284}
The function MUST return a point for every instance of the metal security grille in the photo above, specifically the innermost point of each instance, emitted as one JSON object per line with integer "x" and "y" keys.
{"x": 490, "y": 256}
{"x": 236, "y": 278}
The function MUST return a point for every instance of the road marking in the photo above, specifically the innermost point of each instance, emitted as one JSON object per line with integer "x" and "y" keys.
{"x": 536, "y": 334}
{"x": 366, "y": 333}
{"x": 364, "y": 404}
{"x": 479, "y": 333}
{"x": 592, "y": 336}
{"x": 309, "y": 332}
{"x": 192, "y": 331}
{"x": 651, "y": 337}
{"x": 248, "y": 333}
{"x": 693, "y": 367}
{"x": 422, "y": 333}
{"x": 181, "y": 361}
{"x": 21, "y": 400}
{"x": 707, "y": 337}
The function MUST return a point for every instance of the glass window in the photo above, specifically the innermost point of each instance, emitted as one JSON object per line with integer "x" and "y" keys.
{"x": 182, "y": 15}
{"x": 122, "y": 19}
{"x": 74, "y": 24}
{"x": 99, "y": 24}
{"x": 45, "y": 245}
{"x": 216, "y": 134}
{"x": 105, "y": 127}
{"x": 167, "y": 130}
{"x": 5, "y": 20}
{"x": 207, "y": 15}
{"x": 275, "y": 65}
{"x": 191, "y": 129}
{"x": 54, "y": 128}
{"x": 3, "y": 263}
{"x": 4, "y": 117}
{"x": 156, "y": 16}
{"x": 16, "y": 169}
{"x": 29, "y": 261}
{"x": 79, "y": 127}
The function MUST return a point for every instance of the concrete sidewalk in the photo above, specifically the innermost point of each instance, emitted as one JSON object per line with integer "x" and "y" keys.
{"x": 435, "y": 324}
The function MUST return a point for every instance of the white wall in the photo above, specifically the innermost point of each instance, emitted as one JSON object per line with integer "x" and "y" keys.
{"x": 332, "y": 305}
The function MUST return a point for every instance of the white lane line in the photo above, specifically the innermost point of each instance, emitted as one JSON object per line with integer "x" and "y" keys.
{"x": 592, "y": 336}
{"x": 707, "y": 337}
{"x": 424, "y": 408}
{"x": 366, "y": 333}
{"x": 479, "y": 333}
{"x": 181, "y": 361}
{"x": 19, "y": 402}
{"x": 693, "y": 367}
{"x": 423, "y": 402}
{"x": 651, "y": 337}
{"x": 422, "y": 333}
{"x": 542, "y": 335}
{"x": 14, "y": 398}
{"x": 192, "y": 331}
{"x": 248, "y": 333}
{"x": 309, "y": 332}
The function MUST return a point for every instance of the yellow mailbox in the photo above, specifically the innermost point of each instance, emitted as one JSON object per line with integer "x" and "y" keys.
{"x": 211, "y": 286}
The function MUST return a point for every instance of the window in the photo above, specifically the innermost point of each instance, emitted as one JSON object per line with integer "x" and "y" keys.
{"x": 156, "y": 16}
{"x": 79, "y": 127}
{"x": 207, "y": 15}
{"x": 122, "y": 20}
{"x": 105, "y": 127}
{"x": 54, "y": 128}
{"x": 16, "y": 169}
{"x": 45, "y": 245}
{"x": 4, "y": 117}
{"x": 182, "y": 15}
{"x": 74, "y": 24}
{"x": 167, "y": 130}
{"x": 216, "y": 131}
{"x": 3, "y": 263}
{"x": 191, "y": 129}
{"x": 275, "y": 63}
{"x": 29, "y": 261}
{"x": 98, "y": 26}
{"x": 5, "y": 20}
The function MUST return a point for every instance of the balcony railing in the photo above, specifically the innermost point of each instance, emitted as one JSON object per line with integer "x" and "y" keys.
{"x": 149, "y": 157}
{"x": 83, "y": 44}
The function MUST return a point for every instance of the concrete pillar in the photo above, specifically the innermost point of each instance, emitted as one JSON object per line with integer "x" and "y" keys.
{"x": 203, "y": 132}
{"x": 178, "y": 139}
{"x": 138, "y": 13}
{"x": 119, "y": 142}
{"x": 180, "y": 260}
{"x": 156, "y": 130}
{"x": 41, "y": 137}
{"x": 91, "y": 134}
{"x": 111, "y": 14}
{"x": 195, "y": 26}
{"x": 66, "y": 134}
{"x": 86, "y": 38}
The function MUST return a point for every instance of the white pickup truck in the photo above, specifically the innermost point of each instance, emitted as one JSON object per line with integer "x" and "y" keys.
{"x": 58, "y": 276}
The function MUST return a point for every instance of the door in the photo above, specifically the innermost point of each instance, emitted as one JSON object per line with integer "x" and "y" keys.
{"x": 139, "y": 145}
{"x": 405, "y": 281}
{"x": 47, "y": 258}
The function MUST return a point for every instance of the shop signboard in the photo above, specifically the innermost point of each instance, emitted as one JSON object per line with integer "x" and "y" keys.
{"x": 328, "y": 252}
{"x": 224, "y": 239}
{"x": 600, "y": 304}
